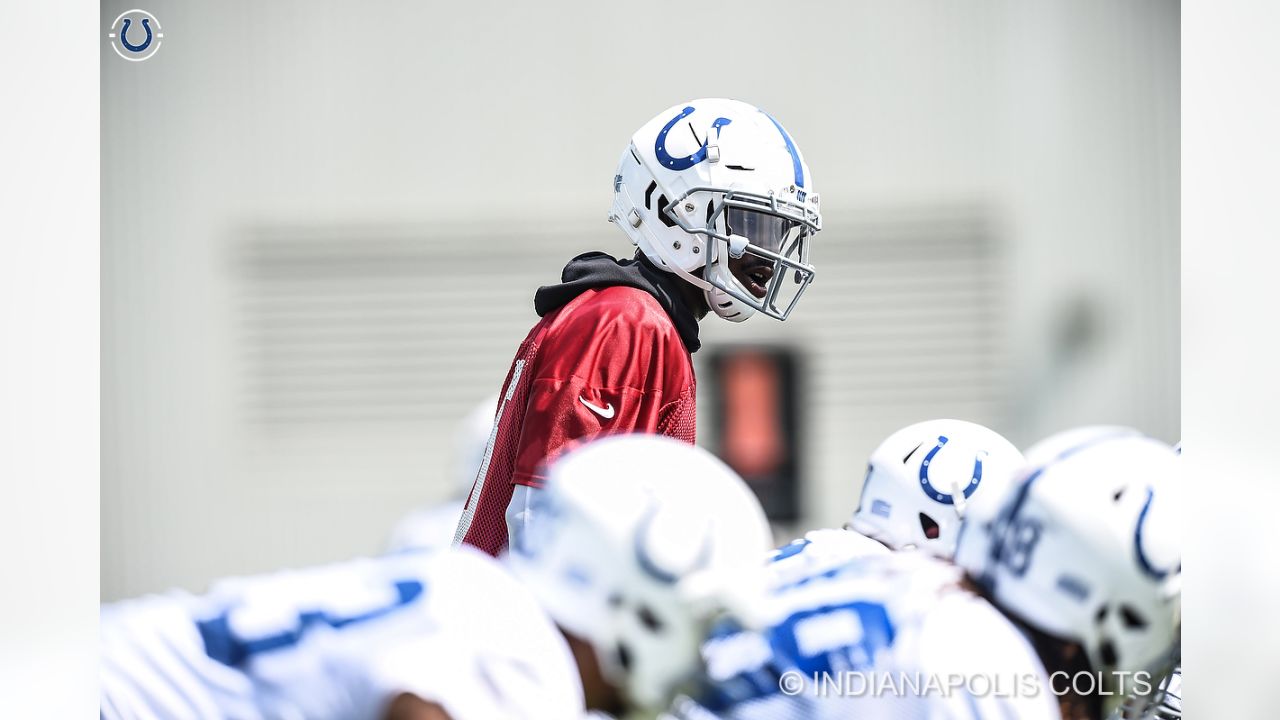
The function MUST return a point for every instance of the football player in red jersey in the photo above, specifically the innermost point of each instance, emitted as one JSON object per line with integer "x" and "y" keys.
{"x": 721, "y": 206}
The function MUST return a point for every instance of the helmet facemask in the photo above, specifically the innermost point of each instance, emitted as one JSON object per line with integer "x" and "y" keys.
{"x": 766, "y": 240}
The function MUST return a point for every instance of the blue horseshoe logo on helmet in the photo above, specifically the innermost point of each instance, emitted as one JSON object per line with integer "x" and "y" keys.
{"x": 683, "y": 163}
{"x": 124, "y": 36}
{"x": 647, "y": 562}
{"x": 936, "y": 494}
{"x": 1144, "y": 563}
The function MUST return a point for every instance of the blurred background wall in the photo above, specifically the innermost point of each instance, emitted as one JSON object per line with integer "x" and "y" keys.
{"x": 323, "y": 224}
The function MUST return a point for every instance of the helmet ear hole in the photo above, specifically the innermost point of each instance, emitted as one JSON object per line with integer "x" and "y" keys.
{"x": 930, "y": 527}
{"x": 662, "y": 212}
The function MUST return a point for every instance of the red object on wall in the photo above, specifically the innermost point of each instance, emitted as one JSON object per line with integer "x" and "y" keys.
{"x": 753, "y": 442}
{"x": 754, "y": 424}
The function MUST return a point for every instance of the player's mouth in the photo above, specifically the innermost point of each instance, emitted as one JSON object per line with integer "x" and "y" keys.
{"x": 757, "y": 279}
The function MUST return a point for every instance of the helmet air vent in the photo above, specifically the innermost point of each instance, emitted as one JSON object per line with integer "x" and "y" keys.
{"x": 1133, "y": 620}
{"x": 929, "y": 526}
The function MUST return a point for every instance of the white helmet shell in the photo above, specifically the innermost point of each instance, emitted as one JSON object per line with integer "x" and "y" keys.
{"x": 711, "y": 180}
{"x": 1047, "y": 450}
{"x": 1086, "y": 548}
{"x": 921, "y": 480}
{"x": 639, "y": 542}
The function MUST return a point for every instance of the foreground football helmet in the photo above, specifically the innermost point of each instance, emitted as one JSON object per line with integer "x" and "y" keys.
{"x": 1047, "y": 450}
{"x": 714, "y": 181}
{"x": 640, "y": 542}
{"x": 1086, "y": 549}
{"x": 922, "y": 478}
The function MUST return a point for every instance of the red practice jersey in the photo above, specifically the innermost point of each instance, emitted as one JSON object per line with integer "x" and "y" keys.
{"x": 609, "y": 361}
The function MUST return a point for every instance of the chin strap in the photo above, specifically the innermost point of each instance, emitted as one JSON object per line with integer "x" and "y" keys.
{"x": 737, "y": 311}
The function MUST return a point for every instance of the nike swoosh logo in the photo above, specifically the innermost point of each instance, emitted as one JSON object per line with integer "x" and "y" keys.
{"x": 605, "y": 412}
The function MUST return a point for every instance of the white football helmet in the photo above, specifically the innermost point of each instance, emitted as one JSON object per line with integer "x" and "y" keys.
{"x": 640, "y": 542}
{"x": 712, "y": 181}
{"x": 922, "y": 478}
{"x": 1086, "y": 548}
{"x": 1047, "y": 450}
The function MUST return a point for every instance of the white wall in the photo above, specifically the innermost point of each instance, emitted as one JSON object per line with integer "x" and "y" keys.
{"x": 1058, "y": 120}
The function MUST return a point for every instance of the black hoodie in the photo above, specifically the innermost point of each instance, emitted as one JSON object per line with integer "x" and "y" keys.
{"x": 597, "y": 269}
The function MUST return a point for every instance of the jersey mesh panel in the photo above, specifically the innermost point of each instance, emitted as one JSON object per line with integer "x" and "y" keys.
{"x": 680, "y": 417}
{"x": 488, "y": 530}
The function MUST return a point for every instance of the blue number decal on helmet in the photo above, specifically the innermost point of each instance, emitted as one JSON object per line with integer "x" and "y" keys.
{"x": 683, "y": 163}
{"x": 936, "y": 494}
{"x": 1019, "y": 540}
